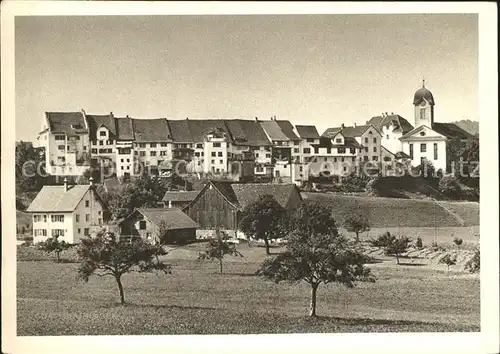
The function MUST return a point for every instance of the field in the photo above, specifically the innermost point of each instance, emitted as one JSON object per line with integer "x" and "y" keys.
{"x": 195, "y": 299}
{"x": 393, "y": 212}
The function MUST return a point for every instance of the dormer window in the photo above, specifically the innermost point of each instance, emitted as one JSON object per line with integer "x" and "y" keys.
{"x": 76, "y": 126}
{"x": 338, "y": 140}
{"x": 102, "y": 133}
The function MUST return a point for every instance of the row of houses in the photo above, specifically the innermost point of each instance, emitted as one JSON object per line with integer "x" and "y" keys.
{"x": 71, "y": 212}
{"x": 247, "y": 150}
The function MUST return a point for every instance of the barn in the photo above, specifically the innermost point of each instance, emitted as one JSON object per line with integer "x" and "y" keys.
{"x": 159, "y": 225}
{"x": 220, "y": 204}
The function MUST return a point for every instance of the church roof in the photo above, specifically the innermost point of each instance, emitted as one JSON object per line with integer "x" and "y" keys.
{"x": 421, "y": 94}
{"x": 451, "y": 130}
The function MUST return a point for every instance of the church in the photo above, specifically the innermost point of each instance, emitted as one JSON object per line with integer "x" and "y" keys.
{"x": 425, "y": 139}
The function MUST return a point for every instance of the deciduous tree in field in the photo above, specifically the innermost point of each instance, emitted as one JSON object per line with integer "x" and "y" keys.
{"x": 316, "y": 253}
{"x": 53, "y": 244}
{"x": 449, "y": 260}
{"x": 104, "y": 255}
{"x": 356, "y": 223}
{"x": 218, "y": 248}
{"x": 392, "y": 245}
{"x": 264, "y": 219}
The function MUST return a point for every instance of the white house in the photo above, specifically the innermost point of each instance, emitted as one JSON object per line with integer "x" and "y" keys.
{"x": 68, "y": 211}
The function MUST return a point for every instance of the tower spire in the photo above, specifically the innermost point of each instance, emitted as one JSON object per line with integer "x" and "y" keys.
{"x": 423, "y": 82}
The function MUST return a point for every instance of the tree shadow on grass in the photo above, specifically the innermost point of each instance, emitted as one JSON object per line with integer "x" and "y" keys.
{"x": 366, "y": 321}
{"x": 156, "y": 306}
{"x": 242, "y": 274}
{"x": 412, "y": 264}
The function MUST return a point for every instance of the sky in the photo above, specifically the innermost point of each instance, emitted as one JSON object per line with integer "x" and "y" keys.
{"x": 322, "y": 70}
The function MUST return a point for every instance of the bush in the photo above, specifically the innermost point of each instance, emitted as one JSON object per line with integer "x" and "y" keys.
{"x": 393, "y": 246}
{"x": 474, "y": 264}
{"x": 419, "y": 244}
{"x": 449, "y": 186}
{"x": 449, "y": 260}
{"x": 458, "y": 241}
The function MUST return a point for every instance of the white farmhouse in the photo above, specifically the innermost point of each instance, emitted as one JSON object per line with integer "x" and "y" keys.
{"x": 68, "y": 211}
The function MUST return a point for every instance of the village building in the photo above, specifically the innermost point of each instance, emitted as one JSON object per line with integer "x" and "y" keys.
{"x": 178, "y": 199}
{"x": 159, "y": 226}
{"x": 69, "y": 212}
{"x": 220, "y": 203}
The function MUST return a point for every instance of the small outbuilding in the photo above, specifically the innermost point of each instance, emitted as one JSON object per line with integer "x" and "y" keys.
{"x": 159, "y": 225}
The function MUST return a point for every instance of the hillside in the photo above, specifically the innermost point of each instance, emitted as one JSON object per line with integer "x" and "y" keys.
{"x": 468, "y": 125}
{"x": 393, "y": 212}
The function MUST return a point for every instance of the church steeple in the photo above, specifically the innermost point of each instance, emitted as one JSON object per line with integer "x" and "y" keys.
{"x": 423, "y": 100}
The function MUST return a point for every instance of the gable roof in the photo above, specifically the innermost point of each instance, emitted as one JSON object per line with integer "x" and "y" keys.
{"x": 173, "y": 218}
{"x": 356, "y": 131}
{"x": 416, "y": 130}
{"x": 199, "y": 128}
{"x": 307, "y": 131}
{"x": 399, "y": 122}
{"x": 96, "y": 121}
{"x": 247, "y": 132}
{"x": 273, "y": 130}
{"x": 180, "y": 196}
{"x": 287, "y": 129}
{"x": 327, "y": 143}
{"x": 451, "y": 130}
{"x": 124, "y": 128}
{"x": 331, "y": 132}
{"x": 69, "y": 123}
{"x": 151, "y": 130}
{"x": 55, "y": 199}
{"x": 179, "y": 129}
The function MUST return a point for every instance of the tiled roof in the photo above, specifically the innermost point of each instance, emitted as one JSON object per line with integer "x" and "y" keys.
{"x": 173, "y": 218}
{"x": 199, "y": 128}
{"x": 398, "y": 122}
{"x": 57, "y": 199}
{"x": 69, "y": 123}
{"x": 246, "y": 193}
{"x": 95, "y": 121}
{"x": 401, "y": 155}
{"x": 287, "y": 129}
{"x": 180, "y": 130}
{"x": 356, "y": 131}
{"x": 151, "y": 130}
{"x": 327, "y": 143}
{"x": 451, "y": 130}
{"x": 252, "y": 131}
{"x": 331, "y": 132}
{"x": 307, "y": 131}
{"x": 180, "y": 196}
{"x": 124, "y": 128}
{"x": 273, "y": 130}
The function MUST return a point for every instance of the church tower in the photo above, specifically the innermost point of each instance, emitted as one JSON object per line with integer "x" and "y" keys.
{"x": 423, "y": 101}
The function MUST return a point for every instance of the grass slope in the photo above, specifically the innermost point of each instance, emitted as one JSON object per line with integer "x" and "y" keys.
{"x": 393, "y": 212}
{"x": 195, "y": 299}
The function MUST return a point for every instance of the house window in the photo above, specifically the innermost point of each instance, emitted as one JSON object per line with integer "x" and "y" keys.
{"x": 345, "y": 168}
{"x": 153, "y": 145}
{"x": 216, "y": 145}
{"x": 110, "y": 142}
{"x": 86, "y": 231}
{"x": 374, "y": 140}
{"x": 422, "y": 113}
{"x": 77, "y": 217}
{"x": 387, "y": 158}
{"x": 353, "y": 158}
{"x": 101, "y": 142}
{"x": 39, "y": 218}
{"x": 268, "y": 156}
{"x": 422, "y": 133}
{"x": 142, "y": 145}
{"x": 59, "y": 137}
{"x": 87, "y": 204}
{"x": 374, "y": 149}
{"x": 60, "y": 147}
{"x": 93, "y": 151}
{"x": 57, "y": 232}
{"x": 57, "y": 218}
{"x": 366, "y": 148}
{"x": 214, "y": 154}
{"x": 338, "y": 140}
{"x": 423, "y": 147}
{"x": 164, "y": 153}
{"x": 316, "y": 150}
{"x": 342, "y": 159}
{"x": 366, "y": 140}
{"x": 256, "y": 154}
{"x": 310, "y": 140}
{"x": 411, "y": 151}
{"x": 300, "y": 168}
{"x": 199, "y": 146}
{"x": 213, "y": 162}
{"x": 40, "y": 232}
{"x": 375, "y": 158}
{"x": 435, "y": 151}
{"x": 152, "y": 153}
{"x": 306, "y": 150}
{"x": 365, "y": 158}
{"x": 326, "y": 159}
{"x": 142, "y": 153}
{"x": 219, "y": 154}
{"x": 328, "y": 150}
{"x": 296, "y": 150}
{"x": 341, "y": 150}
{"x": 102, "y": 133}
{"x": 296, "y": 142}
{"x": 142, "y": 225}
{"x": 334, "y": 159}
{"x": 221, "y": 162}
{"x": 87, "y": 217}
{"x": 79, "y": 231}
{"x": 353, "y": 151}
{"x": 163, "y": 144}
{"x": 259, "y": 168}
{"x": 387, "y": 136}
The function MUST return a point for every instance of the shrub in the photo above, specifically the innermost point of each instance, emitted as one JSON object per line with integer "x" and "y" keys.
{"x": 419, "y": 244}
{"x": 449, "y": 186}
{"x": 448, "y": 260}
{"x": 473, "y": 264}
{"x": 393, "y": 246}
{"x": 52, "y": 244}
{"x": 458, "y": 241}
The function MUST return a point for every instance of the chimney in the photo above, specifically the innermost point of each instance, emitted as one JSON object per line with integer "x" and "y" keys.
{"x": 354, "y": 125}
{"x": 256, "y": 119}
{"x": 274, "y": 117}
{"x": 111, "y": 114}
{"x": 91, "y": 181}
{"x": 392, "y": 113}
{"x": 342, "y": 126}
{"x": 65, "y": 183}
{"x": 127, "y": 116}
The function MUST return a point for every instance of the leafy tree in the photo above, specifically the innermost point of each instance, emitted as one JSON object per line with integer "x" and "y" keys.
{"x": 104, "y": 255}
{"x": 458, "y": 241}
{"x": 419, "y": 244}
{"x": 449, "y": 186}
{"x": 316, "y": 253}
{"x": 392, "y": 245}
{"x": 473, "y": 265}
{"x": 449, "y": 260}
{"x": 218, "y": 248}
{"x": 29, "y": 168}
{"x": 52, "y": 244}
{"x": 357, "y": 223}
{"x": 264, "y": 219}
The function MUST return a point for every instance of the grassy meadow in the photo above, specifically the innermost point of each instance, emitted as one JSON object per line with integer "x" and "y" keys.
{"x": 195, "y": 299}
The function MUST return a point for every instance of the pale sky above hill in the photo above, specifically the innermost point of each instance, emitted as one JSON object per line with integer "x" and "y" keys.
{"x": 310, "y": 69}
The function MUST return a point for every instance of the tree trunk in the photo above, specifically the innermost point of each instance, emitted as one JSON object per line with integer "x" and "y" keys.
{"x": 314, "y": 288}
{"x": 120, "y": 287}
{"x": 266, "y": 241}
{"x": 58, "y": 255}
{"x": 220, "y": 265}
{"x": 397, "y": 258}
{"x": 357, "y": 236}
